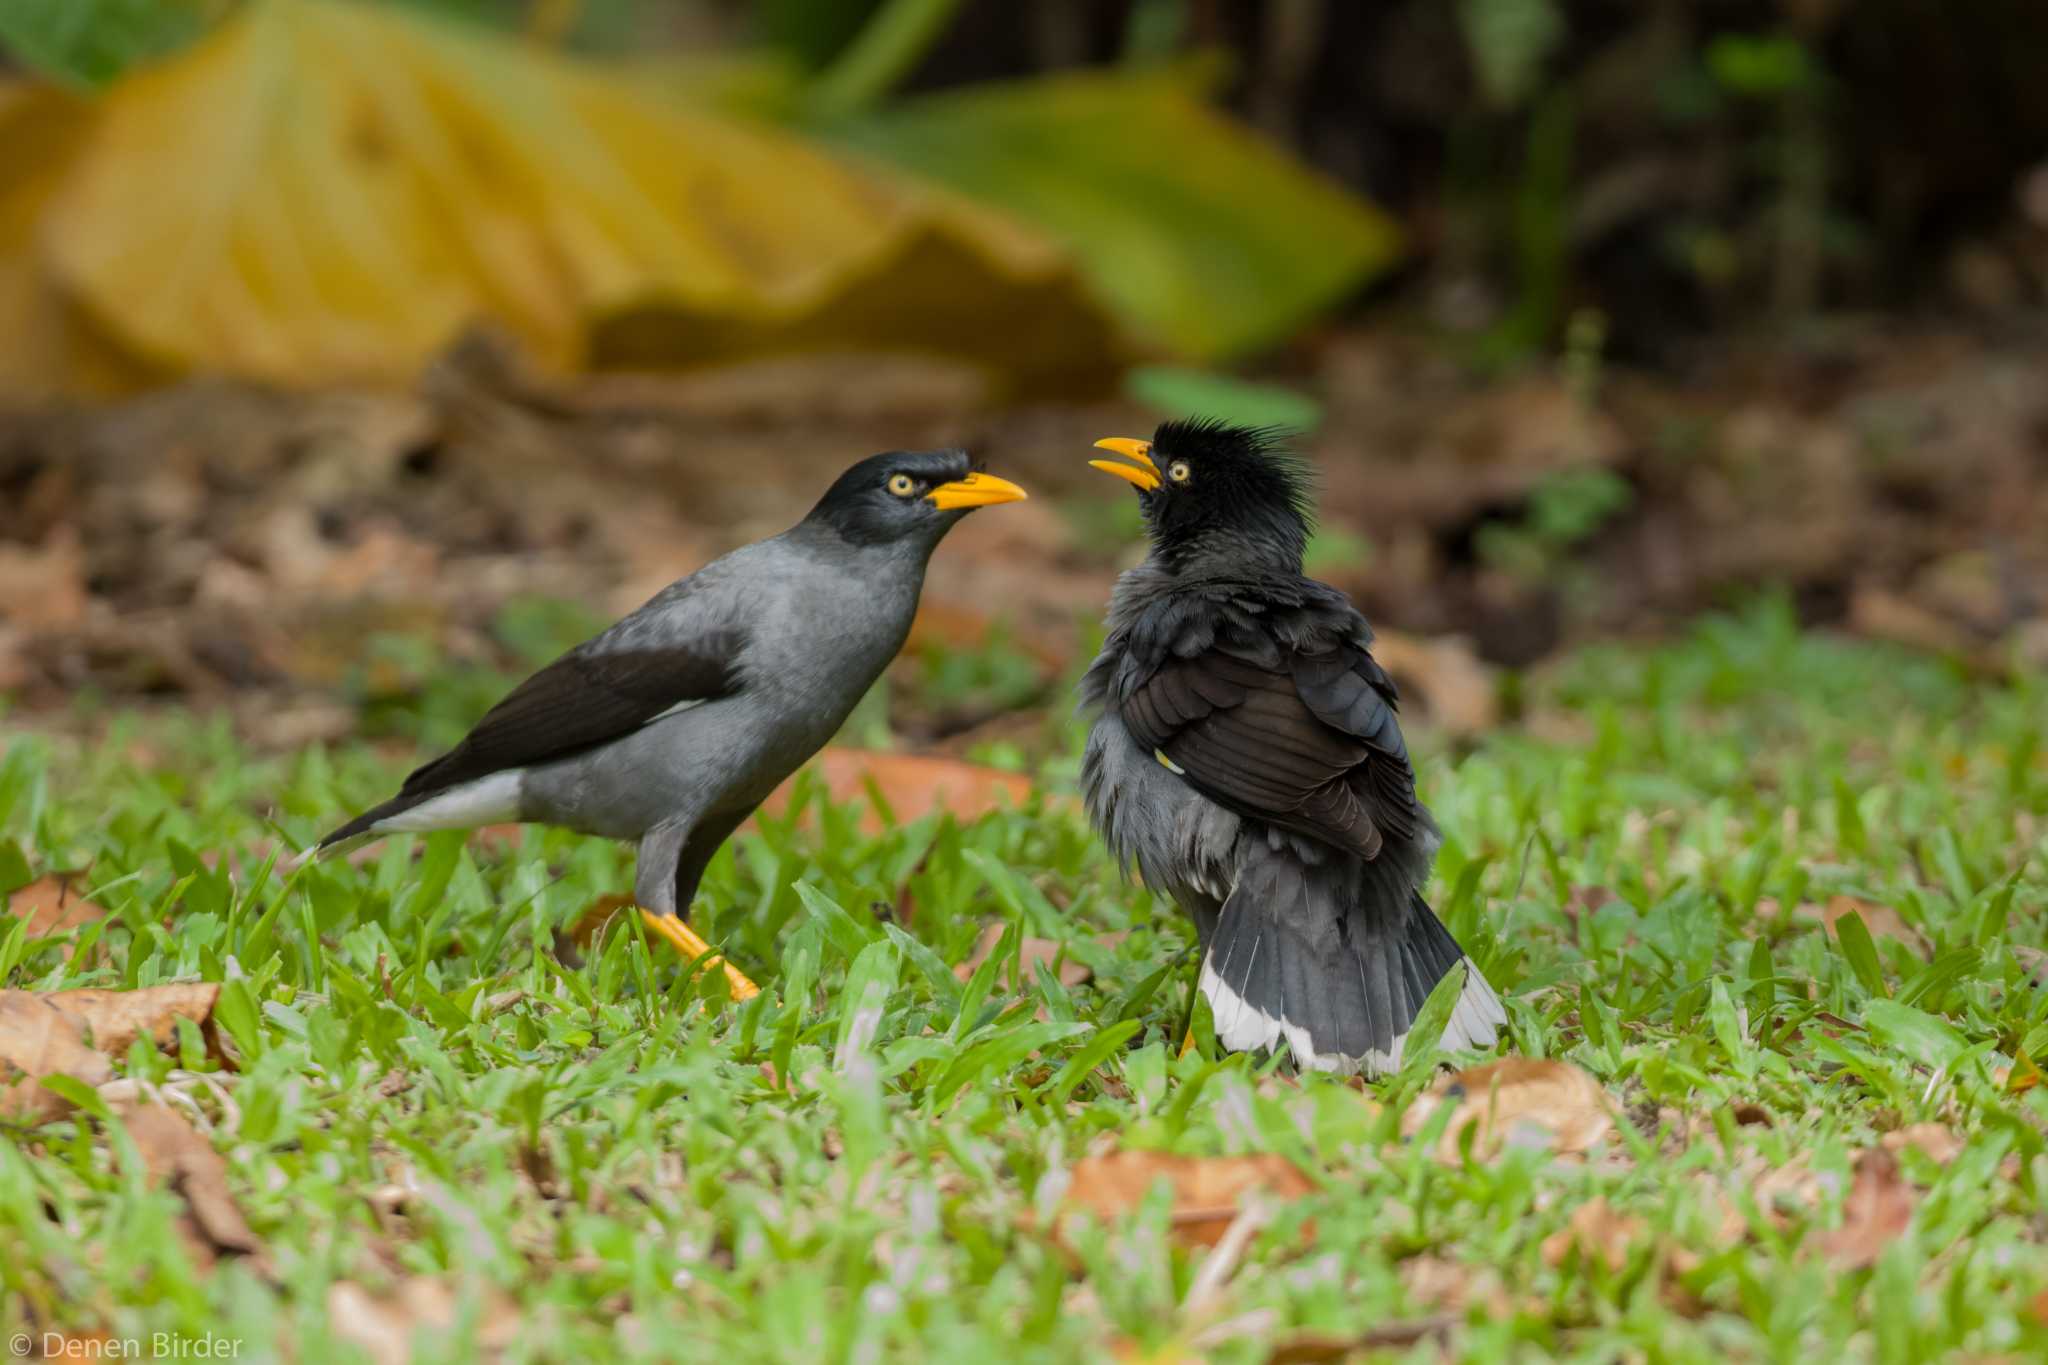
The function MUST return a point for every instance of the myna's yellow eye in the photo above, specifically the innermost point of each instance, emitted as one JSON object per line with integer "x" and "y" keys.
{"x": 1179, "y": 472}
{"x": 902, "y": 485}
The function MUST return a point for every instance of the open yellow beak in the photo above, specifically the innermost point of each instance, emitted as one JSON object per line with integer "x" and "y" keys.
{"x": 1146, "y": 478}
{"x": 976, "y": 490}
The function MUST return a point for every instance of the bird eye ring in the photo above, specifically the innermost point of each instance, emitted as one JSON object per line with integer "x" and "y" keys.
{"x": 902, "y": 485}
{"x": 1178, "y": 471}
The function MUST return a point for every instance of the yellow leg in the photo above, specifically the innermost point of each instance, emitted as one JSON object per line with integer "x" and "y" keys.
{"x": 1187, "y": 1044}
{"x": 686, "y": 941}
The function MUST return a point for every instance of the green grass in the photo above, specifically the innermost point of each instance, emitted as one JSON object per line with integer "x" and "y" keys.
{"x": 611, "y": 1156}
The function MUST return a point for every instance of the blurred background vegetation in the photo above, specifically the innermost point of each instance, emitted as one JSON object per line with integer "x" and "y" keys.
{"x": 388, "y": 316}
{"x": 1649, "y": 169}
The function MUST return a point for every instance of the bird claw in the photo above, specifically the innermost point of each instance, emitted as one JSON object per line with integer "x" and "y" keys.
{"x": 692, "y": 946}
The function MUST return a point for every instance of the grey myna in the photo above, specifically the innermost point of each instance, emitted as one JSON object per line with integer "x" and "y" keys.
{"x": 671, "y": 726}
{"x": 1247, "y": 759}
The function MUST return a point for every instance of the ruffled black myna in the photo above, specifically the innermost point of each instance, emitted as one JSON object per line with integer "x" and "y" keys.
{"x": 670, "y": 727}
{"x": 1246, "y": 757}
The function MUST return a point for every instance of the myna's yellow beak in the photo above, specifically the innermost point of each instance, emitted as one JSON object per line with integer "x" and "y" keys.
{"x": 976, "y": 490}
{"x": 1146, "y": 478}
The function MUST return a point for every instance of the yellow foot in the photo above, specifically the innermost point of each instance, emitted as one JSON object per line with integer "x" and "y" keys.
{"x": 686, "y": 941}
{"x": 1187, "y": 1044}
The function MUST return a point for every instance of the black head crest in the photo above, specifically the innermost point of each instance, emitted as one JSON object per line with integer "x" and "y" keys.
{"x": 1226, "y": 484}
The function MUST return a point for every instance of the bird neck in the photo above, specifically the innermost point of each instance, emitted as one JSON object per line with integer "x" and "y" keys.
{"x": 826, "y": 540}
{"x": 1231, "y": 553}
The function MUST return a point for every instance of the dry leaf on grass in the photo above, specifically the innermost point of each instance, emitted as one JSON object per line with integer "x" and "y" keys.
{"x": 1447, "y": 1286}
{"x": 73, "y": 1033}
{"x": 591, "y": 923}
{"x": 1207, "y": 1192}
{"x": 37, "y": 1039}
{"x": 1596, "y": 1232}
{"x": 1881, "y": 920}
{"x": 1519, "y": 1101}
{"x": 912, "y": 785}
{"x": 53, "y": 905}
{"x": 1874, "y": 1215}
{"x": 386, "y": 1326}
{"x": 114, "y": 1019}
{"x": 1030, "y": 953}
{"x": 177, "y": 1155}
{"x": 1931, "y": 1140}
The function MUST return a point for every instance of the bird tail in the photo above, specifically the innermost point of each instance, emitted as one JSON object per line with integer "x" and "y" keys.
{"x": 352, "y": 835}
{"x": 480, "y": 801}
{"x": 1336, "y": 958}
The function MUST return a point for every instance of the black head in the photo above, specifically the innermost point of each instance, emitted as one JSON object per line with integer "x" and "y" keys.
{"x": 1219, "y": 492}
{"x": 908, "y": 495}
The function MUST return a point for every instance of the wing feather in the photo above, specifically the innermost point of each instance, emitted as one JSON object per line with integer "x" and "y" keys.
{"x": 589, "y": 696}
{"x": 1306, "y": 739}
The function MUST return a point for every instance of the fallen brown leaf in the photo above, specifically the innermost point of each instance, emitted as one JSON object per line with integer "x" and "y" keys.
{"x": 1207, "y": 1192}
{"x": 177, "y": 1155}
{"x": 592, "y": 921}
{"x": 1931, "y": 1140}
{"x": 1596, "y": 1231}
{"x": 1519, "y": 1101}
{"x": 37, "y": 1039}
{"x": 114, "y": 1019}
{"x": 1881, "y": 920}
{"x": 914, "y": 786}
{"x": 53, "y": 905}
{"x": 1875, "y": 1213}
{"x": 73, "y": 1033}
{"x": 1452, "y": 1286}
{"x": 384, "y": 1325}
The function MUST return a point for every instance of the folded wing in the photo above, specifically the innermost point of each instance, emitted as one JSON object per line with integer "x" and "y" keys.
{"x": 1302, "y": 739}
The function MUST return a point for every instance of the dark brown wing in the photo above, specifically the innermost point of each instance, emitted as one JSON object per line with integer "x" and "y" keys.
{"x": 585, "y": 698}
{"x": 1311, "y": 745}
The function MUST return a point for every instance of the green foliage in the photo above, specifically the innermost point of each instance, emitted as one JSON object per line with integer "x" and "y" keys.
{"x": 1175, "y": 391}
{"x": 1760, "y": 66}
{"x": 1564, "y": 510}
{"x": 1509, "y": 41}
{"x": 1335, "y": 552}
{"x": 90, "y": 42}
{"x": 992, "y": 677}
{"x": 891, "y": 42}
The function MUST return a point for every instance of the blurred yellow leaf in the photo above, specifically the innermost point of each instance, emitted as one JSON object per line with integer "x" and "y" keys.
{"x": 322, "y": 191}
{"x": 47, "y": 345}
